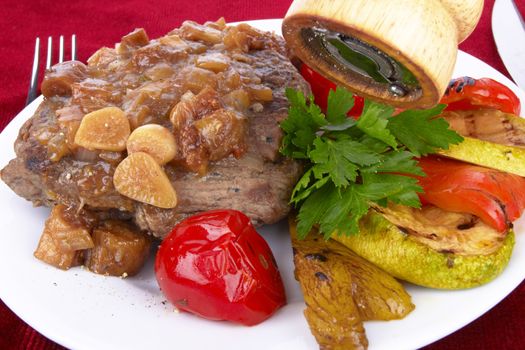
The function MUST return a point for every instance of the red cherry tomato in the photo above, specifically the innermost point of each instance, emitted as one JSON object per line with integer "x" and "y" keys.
{"x": 497, "y": 198}
{"x": 217, "y": 266}
{"x": 466, "y": 93}
{"x": 322, "y": 86}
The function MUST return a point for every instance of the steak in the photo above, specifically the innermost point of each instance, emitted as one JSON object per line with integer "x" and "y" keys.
{"x": 237, "y": 69}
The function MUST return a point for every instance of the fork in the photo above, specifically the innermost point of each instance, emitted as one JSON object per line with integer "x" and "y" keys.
{"x": 33, "y": 85}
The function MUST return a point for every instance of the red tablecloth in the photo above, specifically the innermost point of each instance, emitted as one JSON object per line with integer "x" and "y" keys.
{"x": 102, "y": 23}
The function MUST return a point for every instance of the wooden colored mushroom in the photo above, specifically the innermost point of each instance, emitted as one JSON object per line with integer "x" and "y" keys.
{"x": 400, "y": 52}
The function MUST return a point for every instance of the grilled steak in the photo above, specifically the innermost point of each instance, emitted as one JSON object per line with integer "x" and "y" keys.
{"x": 223, "y": 70}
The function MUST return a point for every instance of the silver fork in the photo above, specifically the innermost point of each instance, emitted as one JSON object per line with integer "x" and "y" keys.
{"x": 33, "y": 85}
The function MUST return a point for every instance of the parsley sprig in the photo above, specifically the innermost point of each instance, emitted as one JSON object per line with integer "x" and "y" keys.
{"x": 353, "y": 163}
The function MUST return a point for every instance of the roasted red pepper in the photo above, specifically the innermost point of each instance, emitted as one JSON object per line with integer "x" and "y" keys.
{"x": 322, "y": 86}
{"x": 497, "y": 198}
{"x": 217, "y": 266}
{"x": 466, "y": 93}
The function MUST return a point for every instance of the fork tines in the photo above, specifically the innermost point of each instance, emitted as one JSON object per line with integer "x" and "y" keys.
{"x": 33, "y": 85}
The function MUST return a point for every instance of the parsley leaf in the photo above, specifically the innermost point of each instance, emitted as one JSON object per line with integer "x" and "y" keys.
{"x": 421, "y": 132}
{"x": 304, "y": 119}
{"x": 343, "y": 215}
{"x": 373, "y": 122}
{"x": 314, "y": 208}
{"x": 338, "y": 105}
{"x": 350, "y": 164}
{"x": 305, "y": 186}
{"x": 331, "y": 158}
{"x": 339, "y": 159}
{"x": 357, "y": 153}
{"x": 348, "y": 123}
{"x": 396, "y": 188}
{"x": 402, "y": 162}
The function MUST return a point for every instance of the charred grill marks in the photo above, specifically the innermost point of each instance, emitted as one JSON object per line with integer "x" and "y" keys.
{"x": 321, "y": 276}
{"x": 316, "y": 256}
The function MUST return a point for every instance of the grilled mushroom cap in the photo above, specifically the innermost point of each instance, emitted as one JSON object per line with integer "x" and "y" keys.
{"x": 398, "y": 52}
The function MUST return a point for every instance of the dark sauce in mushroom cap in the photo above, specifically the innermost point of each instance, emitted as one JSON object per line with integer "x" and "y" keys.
{"x": 347, "y": 53}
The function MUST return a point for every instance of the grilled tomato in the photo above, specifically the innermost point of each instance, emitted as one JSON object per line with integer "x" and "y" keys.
{"x": 217, "y": 266}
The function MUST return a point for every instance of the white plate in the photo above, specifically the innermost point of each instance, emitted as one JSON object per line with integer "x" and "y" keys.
{"x": 81, "y": 310}
{"x": 509, "y": 35}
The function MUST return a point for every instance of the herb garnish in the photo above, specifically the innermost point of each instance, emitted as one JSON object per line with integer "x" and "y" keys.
{"x": 352, "y": 163}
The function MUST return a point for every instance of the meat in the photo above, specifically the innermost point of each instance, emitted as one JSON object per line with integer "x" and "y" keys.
{"x": 248, "y": 74}
{"x": 258, "y": 188}
{"x": 118, "y": 250}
